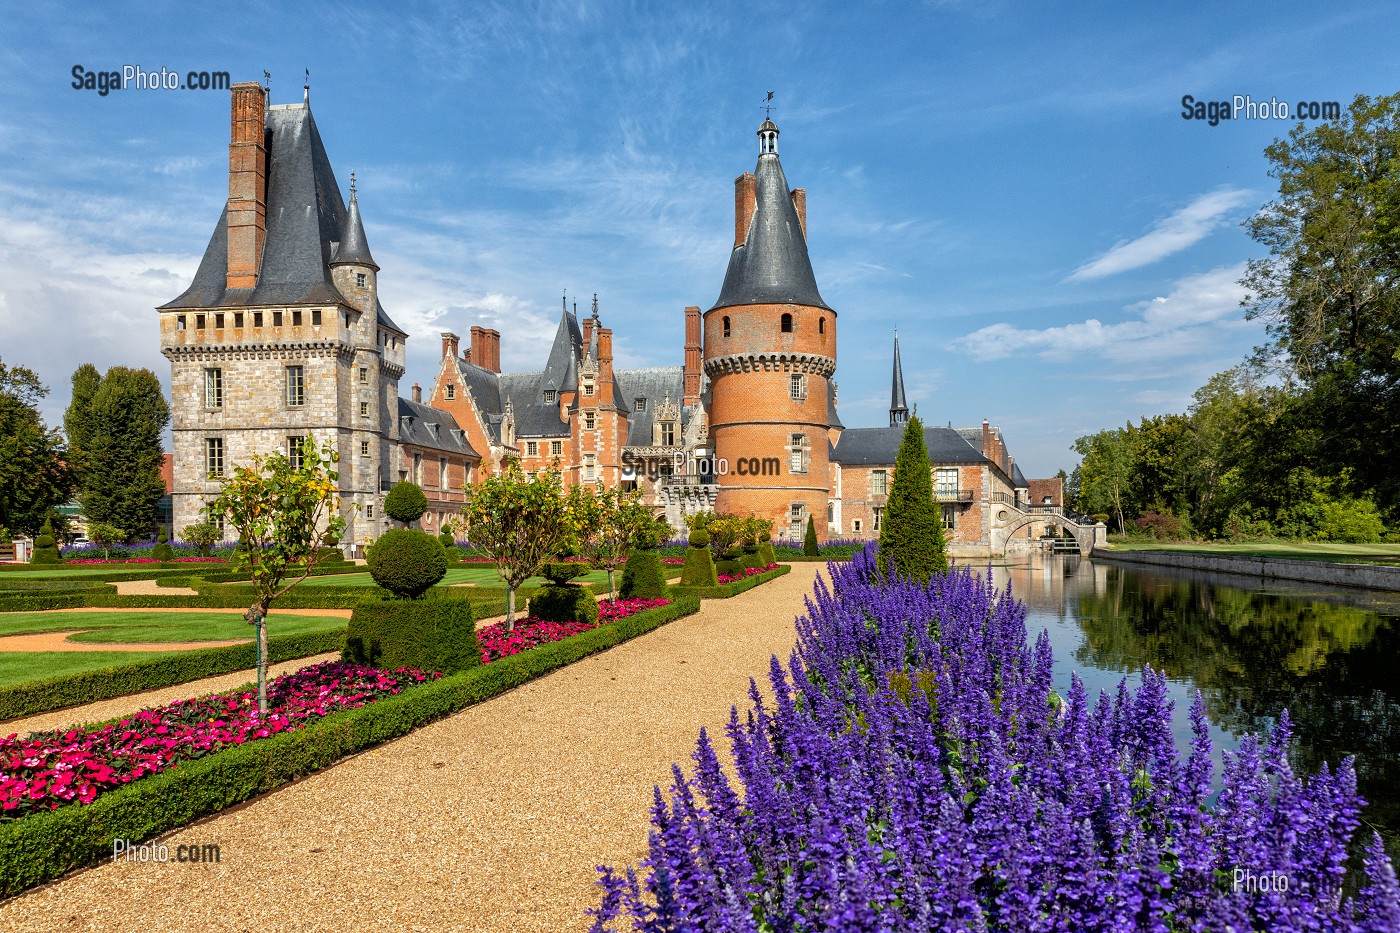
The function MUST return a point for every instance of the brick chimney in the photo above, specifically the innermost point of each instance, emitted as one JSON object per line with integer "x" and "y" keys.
{"x": 745, "y": 202}
{"x": 417, "y": 393}
{"x": 692, "y": 356}
{"x": 449, "y": 345}
{"x": 247, "y": 185}
{"x": 491, "y": 353}
{"x": 475, "y": 348}
{"x": 799, "y": 201}
{"x": 986, "y": 439}
{"x": 587, "y": 333}
{"x": 605, "y": 366}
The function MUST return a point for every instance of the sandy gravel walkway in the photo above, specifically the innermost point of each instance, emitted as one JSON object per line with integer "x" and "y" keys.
{"x": 58, "y": 641}
{"x": 491, "y": 820}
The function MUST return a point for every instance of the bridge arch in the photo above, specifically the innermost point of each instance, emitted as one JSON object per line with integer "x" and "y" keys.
{"x": 1007, "y": 520}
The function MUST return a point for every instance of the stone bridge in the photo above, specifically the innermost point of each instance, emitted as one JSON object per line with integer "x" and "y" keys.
{"x": 1008, "y": 519}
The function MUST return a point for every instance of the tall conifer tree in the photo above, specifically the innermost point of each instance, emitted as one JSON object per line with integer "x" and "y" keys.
{"x": 911, "y": 535}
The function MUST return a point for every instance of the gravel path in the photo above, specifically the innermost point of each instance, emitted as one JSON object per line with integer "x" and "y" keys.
{"x": 58, "y": 641}
{"x": 490, "y": 820}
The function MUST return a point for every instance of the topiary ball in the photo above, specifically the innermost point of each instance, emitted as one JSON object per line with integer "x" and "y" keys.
{"x": 405, "y": 502}
{"x": 446, "y": 538}
{"x": 699, "y": 537}
{"x": 407, "y": 563}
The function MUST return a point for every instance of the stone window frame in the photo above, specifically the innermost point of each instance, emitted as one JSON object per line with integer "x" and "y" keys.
{"x": 359, "y": 280}
{"x": 797, "y": 387}
{"x": 214, "y": 457}
{"x": 442, "y": 472}
{"x": 666, "y": 433}
{"x": 364, "y": 409}
{"x": 532, "y": 448}
{"x": 855, "y": 526}
{"x": 950, "y": 518}
{"x": 640, "y": 404}
{"x": 799, "y": 453}
{"x": 590, "y": 468}
{"x": 364, "y": 448}
{"x": 876, "y": 514}
{"x": 590, "y": 421}
{"x": 294, "y": 450}
{"x": 940, "y": 487}
{"x": 295, "y": 385}
{"x": 879, "y": 482}
{"x": 364, "y": 375}
{"x": 556, "y": 448}
{"x": 213, "y": 388}
{"x": 449, "y": 392}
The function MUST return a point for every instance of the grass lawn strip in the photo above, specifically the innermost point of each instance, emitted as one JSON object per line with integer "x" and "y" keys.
{"x": 1332, "y": 552}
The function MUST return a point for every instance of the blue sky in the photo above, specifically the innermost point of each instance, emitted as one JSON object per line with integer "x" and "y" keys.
{"x": 1011, "y": 185}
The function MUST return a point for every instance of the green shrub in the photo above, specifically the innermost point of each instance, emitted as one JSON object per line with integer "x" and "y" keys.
{"x": 163, "y": 550}
{"x": 406, "y": 563}
{"x": 643, "y": 576}
{"x": 46, "y": 845}
{"x": 564, "y": 603}
{"x": 750, "y": 558}
{"x": 766, "y": 555}
{"x": 729, "y": 566}
{"x": 561, "y": 572}
{"x": 809, "y": 541}
{"x": 203, "y": 536}
{"x": 45, "y": 547}
{"x": 329, "y": 555}
{"x": 699, "y": 569}
{"x": 405, "y": 502}
{"x": 426, "y": 635}
{"x": 699, "y": 537}
{"x": 911, "y": 535}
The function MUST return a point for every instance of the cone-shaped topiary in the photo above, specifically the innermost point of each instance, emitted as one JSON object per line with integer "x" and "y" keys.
{"x": 699, "y": 569}
{"x": 911, "y": 535}
{"x": 766, "y": 555}
{"x": 407, "y": 563}
{"x": 405, "y": 503}
{"x": 163, "y": 550}
{"x": 642, "y": 576}
{"x": 45, "y": 547}
{"x": 809, "y": 541}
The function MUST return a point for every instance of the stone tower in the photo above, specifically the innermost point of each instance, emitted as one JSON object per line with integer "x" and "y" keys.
{"x": 770, "y": 353}
{"x": 281, "y": 335}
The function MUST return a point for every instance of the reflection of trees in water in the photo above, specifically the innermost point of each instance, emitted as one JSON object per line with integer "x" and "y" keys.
{"x": 1335, "y": 667}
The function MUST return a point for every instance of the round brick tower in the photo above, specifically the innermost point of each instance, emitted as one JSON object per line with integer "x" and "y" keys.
{"x": 770, "y": 352}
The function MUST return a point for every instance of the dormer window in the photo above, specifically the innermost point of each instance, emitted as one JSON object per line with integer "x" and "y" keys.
{"x": 549, "y": 396}
{"x": 641, "y": 404}
{"x": 588, "y": 387}
{"x": 450, "y": 392}
{"x": 786, "y": 323}
{"x": 668, "y": 434}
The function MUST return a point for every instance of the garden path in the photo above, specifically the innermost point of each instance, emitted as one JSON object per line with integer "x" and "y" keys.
{"x": 490, "y": 820}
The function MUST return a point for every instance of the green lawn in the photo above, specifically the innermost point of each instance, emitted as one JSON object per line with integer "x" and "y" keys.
{"x": 150, "y": 626}
{"x": 44, "y": 571}
{"x": 481, "y": 576}
{"x": 18, "y": 667}
{"x": 1287, "y": 549}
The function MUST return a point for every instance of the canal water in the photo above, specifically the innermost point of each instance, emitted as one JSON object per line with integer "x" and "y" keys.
{"x": 1329, "y": 655}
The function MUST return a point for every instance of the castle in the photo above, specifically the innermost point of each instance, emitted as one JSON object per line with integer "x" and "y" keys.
{"x": 281, "y": 336}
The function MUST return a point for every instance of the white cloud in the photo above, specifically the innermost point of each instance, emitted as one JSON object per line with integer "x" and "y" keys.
{"x": 1183, "y": 229}
{"x": 1187, "y": 322}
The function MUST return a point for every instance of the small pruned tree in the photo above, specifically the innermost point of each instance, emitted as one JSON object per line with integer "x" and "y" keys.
{"x": 203, "y": 535}
{"x": 405, "y": 503}
{"x": 518, "y": 523}
{"x": 911, "y": 535}
{"x": 105, "y": 535}
{"x": 612, "y": 525}
{"x": 285, "y": 513}
{"x": 810, "y": 548}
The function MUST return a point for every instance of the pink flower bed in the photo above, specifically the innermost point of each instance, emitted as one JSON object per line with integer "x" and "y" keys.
{"x": 531, "y": 632}
{"x": 673, "y": 560}
{"x": 50, "y": 769}
{"x": 148, "y": 560}
{"x": 748, "y": 572}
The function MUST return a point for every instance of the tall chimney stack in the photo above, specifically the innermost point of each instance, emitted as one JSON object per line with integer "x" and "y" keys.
{"x": 449, "y": 345}
{"x": 491, "y": 339}
{"x": 692, "y": 356}
{"x": 417, "y": 393}
{"x": 986, "y": 439}
{"x": 745, "y": 202}
{"x": 799, "y": 201}
{"x": 477, "y": 348}
{"x": 247, "y": 185}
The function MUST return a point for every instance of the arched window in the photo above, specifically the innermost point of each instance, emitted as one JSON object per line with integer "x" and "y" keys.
{"x": 821, "y": 325}
{"x": 726, "y": 325}
{"x": 787, "y": 323}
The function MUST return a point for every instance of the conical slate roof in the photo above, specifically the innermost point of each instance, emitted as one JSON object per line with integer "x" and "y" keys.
{"x": 771, "y": 266}
{"x": 561, "y": 370}
{"x": 354, "y": 248}
{"x": 899, "y": 409}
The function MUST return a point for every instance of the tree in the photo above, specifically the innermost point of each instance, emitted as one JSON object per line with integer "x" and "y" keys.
{"x": 34, "y": 477}
{"x": 203, "y": 536}
{"x": 405, "y": 503}
{"x": 611, "y": 524}
{"x": 911, "y": 534}
{"x": 1105, "y": 471}
{"x": 79, "y": 420}
{"x": 119, "y": 436}
{"x": 104, "y": 536}
{"x": 285, "y": 513}
{"x": 519, "y": 523}
{"x": 809, "y": 539}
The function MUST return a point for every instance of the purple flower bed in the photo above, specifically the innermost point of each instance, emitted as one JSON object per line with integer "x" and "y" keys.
{"x": 915, "y": 771}
{"x": 50, "y": 769}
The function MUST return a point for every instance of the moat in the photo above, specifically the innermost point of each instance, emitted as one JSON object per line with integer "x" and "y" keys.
{"x": 1330, "y": 656}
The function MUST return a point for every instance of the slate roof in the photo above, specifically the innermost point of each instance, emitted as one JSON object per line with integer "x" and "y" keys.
{"x": 354, "y": 247}
{"x": 771, "y": 266}
{"x": 1018, "y": 479}
{"x": 862, "y": 446}
{"x": 832, "y": 418}
{"x": 306, "y": 218}
{"x": 652, "y": 383}
{"x": 897, "y": 401}
{"x": 561, "y": 369}
{"x": 424, "y": 426}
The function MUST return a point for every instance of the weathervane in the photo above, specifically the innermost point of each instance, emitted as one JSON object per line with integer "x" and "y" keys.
{"x": 267, "y": 81}
{"x": 352, "y": 182}
{"x": 768, "y": 107}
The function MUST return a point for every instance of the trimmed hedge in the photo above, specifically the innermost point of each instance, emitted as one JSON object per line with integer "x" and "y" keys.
{"x": 726, "y": 590}
{"x": 427, "y": 636}
{"x": 563, "y": 603}
{"x": 642, "y": 576}
{"x": 766, "y": 554}
{"x": 42, "y": 696}
{"x": 156, "y": 571}
{"x": 408, "y": 563}
{"x": 41, "y": 847}
{"x": 38, "y": 602}
{"x": 195, "y": 579}
{"x": 699, "y": 568}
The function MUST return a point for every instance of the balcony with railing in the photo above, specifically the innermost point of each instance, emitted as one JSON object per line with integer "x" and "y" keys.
{"x": 945, "y": 494}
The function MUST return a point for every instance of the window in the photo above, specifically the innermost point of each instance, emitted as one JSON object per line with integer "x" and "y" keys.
{"x": 364, "y": 448}
{"x": 220, "y": 521}
{"x": 726, "y": 325}
{"x": 797, "y": 387}
{"x": 418, "y": 469}
{"x": 796, "y": 511}
{"x": 879, "y": 483}
{"x": 199, "y": 322}
{"x": 181, "y": 322}
{"x": 450, "y": 392}
{"x": 359, "y": 280}
{"x": 442, "y": 472}
{"x": 549, "y": 396}
{"x": 364, "y": 409}
{"x": 238, "y": 319}
{"x": 668, "y": 434}
{"x": 821, "y": 325}
{"x": 945, "y": 483}
{"x": 588, "y": 387}
{"x": 556, "y": 448}
{"x": 830, "y": 513}
{"x": 364, "y": 374}
{"x": 640, "y": 405}
{"x": 294, "y": 452}
{"x": 787, "y": 323}
{"x": 296, "y": 318}
{"x": 213, "y": 388}
{"x": 798, "y": 454}
{"x": 219, "y": 321}
{"x": 296, "y": 386}
{"x": 277, "y": 319}
{"x": 316, "y": 316}
{"x": 369, "y": 510}
{"x": 257, "y": 319}
{"x": 879, "y": 514}
{"x": 950, "y": 518}
{"x": 590, "y": 469}
{"x": 855, "y": 526}
{"x": 214, "y": 456}
{"x": 532, "y": 448}
{"x": 589, "y": 421}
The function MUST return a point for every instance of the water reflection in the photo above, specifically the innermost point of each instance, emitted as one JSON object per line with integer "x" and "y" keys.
{"x": 1330, "y": 656}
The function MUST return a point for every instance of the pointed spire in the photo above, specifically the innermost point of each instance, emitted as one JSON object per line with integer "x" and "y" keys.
{"x": 899, "y": 410}
{"x": 306, "y": 90}
{"x": 354, "y": 248}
